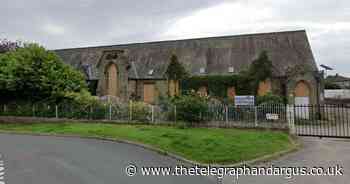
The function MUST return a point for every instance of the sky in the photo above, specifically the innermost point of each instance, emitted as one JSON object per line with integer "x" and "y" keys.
{"x": 59, "y": 24}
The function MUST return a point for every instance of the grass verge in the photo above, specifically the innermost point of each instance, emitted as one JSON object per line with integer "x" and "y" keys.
{"x": 204, "y": 145}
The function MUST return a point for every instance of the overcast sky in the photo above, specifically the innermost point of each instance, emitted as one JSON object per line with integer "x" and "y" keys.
{"x": 80, "y": 23}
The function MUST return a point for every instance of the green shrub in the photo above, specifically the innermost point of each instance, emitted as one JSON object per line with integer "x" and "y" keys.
{"x": 269, "y": 98}
{"x": 190, "y": 107}
{"x": 140, "y": 111}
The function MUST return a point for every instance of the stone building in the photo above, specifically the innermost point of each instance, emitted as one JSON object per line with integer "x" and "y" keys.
{"x": 138, "y": 70}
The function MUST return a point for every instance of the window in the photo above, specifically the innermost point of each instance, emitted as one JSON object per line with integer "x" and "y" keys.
{"x": 150, "y": 72}
{"x": 231, "y": 69}
{"x": 202, "y": 70}
{"x": 87, "y": 70}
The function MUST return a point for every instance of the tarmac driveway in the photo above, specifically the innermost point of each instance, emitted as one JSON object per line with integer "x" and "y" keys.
{"x": 316, "y": 152}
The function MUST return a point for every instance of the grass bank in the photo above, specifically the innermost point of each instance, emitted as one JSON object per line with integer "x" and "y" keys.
{"x": 221, "y": 146}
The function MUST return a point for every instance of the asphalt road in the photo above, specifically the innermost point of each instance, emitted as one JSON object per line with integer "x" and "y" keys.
{"x": 52, "y": 160}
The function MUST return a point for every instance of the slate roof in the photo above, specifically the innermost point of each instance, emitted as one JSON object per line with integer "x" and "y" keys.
{"x": 215, "y": 54}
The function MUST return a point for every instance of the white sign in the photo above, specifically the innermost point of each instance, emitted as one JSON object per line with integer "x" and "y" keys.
{"x": 272, "y": 116}
{"x": 244, "y": 100}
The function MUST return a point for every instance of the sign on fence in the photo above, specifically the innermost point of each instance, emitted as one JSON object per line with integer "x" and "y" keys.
{"x": 272, "y": 116}
{"x": 244, "y": 100}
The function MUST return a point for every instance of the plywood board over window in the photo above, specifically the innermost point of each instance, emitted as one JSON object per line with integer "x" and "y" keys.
{"x": 302, "y": 99}
{"x": 149, "y": 93}
{"x": 112, "y": 80}
{"x": 302, "y": 89}
{"x": 203, "y": 91}
{"x": 231, "y": 93}
{"x": 173, "y": 87}
{"x": 264, "y": 87}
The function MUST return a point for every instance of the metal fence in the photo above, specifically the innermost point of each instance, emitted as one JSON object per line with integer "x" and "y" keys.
{"x": 268, "y": 116}
{"x": 322, "y": 120}
{"x": 303, "y": 120}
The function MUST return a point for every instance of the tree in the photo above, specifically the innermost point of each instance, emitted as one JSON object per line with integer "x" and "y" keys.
{"x": 175, "y": 69}
{"x": 33, "y": 73}
{"x": 259, "y": 70}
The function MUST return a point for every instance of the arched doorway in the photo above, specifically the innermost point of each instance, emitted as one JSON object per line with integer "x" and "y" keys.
{"x": 112, "y": 80}
{"x": 302, "y": 90}
{"x": 302, "y": 99}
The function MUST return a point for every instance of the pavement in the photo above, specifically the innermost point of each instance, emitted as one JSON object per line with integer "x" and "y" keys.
{"x": 316, "y": 152}
{"x": 57, "y": 160}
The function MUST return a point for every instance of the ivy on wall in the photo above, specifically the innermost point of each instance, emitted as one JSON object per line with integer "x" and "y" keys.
{"x": 246, "y": 82}
{"x": 217, "y": 85}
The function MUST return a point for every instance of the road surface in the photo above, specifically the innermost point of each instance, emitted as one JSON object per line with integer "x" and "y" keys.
{"x": 42, "y": 160}
{"x": 54, "y": 160}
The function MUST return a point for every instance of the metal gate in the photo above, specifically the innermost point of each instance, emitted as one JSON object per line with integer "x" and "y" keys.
{"x": 322, "y": 120}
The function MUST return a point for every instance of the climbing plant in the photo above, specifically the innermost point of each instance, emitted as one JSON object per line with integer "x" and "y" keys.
{"x": 246, "y": 82}
{"x": 217, "y": 85}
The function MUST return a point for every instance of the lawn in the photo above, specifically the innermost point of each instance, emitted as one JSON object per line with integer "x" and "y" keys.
{"x": 204, "y": 145}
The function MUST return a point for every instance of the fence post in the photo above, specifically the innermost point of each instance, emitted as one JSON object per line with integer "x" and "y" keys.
{"x": 152, "y": 110}
{"x": 130, "y": 110}
{"x": 290, "y": 117}
{"x": 110, "y": 111}
{"x": 56, "y": 111}
{"x": 256, "y": 115}
{"x": 91, "y": 113}
{"x": 33, "y": 110}
{"x": 175, "y": 113}
{"x": 5, "y": 108}
{"x": 226, "y": 113}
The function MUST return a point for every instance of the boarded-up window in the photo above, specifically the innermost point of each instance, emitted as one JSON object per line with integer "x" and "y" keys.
{"x": 202, "y": 91}
{"x": 148, "y": 93}
{"x": 231, "y": 93}
{"x": 302, "y": 89}
{"x": 264, "y": 87}
{"x": 112, "y": 80}
{"x": 173, "y": 87}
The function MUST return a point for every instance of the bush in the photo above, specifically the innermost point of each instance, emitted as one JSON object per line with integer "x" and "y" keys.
{"x": 190, "y": 107}
{"x": 269, "y": 98}
{"x": 140, "y": 111}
